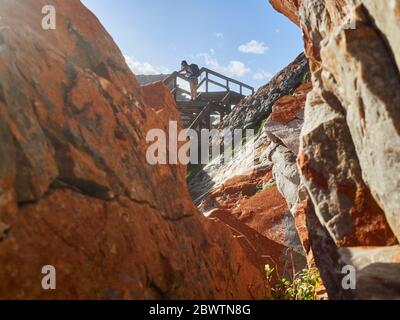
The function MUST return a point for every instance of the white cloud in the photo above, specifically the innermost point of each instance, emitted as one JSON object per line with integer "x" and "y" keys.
{"x": 262, "y": 75}
{"x": 233, "y": 69}
{"x": 237, "y": 68}
{"x": 209, "y": 59}
{"x": 219, "y": 35}
{"x": 143, "y": 67}
{"x": 253, "y": 47}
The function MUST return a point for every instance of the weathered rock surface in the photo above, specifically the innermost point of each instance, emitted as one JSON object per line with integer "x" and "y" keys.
{"x": 257, "y": 107}
{"x": 288, "y": 7}
{"x": 256, "y": 192}
{"x": 76, "y": 191}
{"x": 287, "y": 117}
{"x": 251, "y": 113}
{"x": 283, "y": 128}
{"x": 377, "y": 271}
{"x": 254, "y": 208}
{"x": 350, "y": 145}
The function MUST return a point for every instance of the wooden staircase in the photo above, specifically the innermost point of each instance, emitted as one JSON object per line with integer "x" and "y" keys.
{"x": 197, "y": 114}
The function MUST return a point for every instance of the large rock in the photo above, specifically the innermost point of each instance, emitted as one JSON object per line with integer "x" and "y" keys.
{"x": 76, "y": 191}
{"x": 255, "y": 193}
{"x": 331, "y": 172}
{"x": 283, "y": 128}
{"x": 377, "y": 271}
{"x": 272, "y": 227}
{"x": 258, "y": 106}
{"x": 360, "y": 72}
{"x": 350, "y": 145}
{"x": 289, "y": 8}
{"x": 287, "y": 117}
{"x": 243, "y": 193}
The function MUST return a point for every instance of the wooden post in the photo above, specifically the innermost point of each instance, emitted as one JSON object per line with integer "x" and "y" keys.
{"x": 208, "y": 120}
{"x": 206, "y": 81}
{"x": 175, "y": 84}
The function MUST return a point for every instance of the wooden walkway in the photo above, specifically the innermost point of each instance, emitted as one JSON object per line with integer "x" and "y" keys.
{"x": 198, "y": 114}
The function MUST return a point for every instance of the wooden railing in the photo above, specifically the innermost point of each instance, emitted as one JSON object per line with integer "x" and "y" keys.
{"x": 207, "y": 108}
{"x": 172, "y": 81}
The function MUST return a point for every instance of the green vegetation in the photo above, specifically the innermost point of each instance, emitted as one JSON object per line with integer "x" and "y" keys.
{"x": 269, "y": 185}
{"x": 303, "y": 287}
{"x": 259, "y": 127}
{"x": 266, "y": 186}
{"x": 306, "y": 77}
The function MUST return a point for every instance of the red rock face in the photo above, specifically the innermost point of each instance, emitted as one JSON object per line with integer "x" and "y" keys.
{"x": 254, "y": 198}
{"x": 287, "y": 7}
{"x": 76, "y": 191}
{"x": 253, "y": 208}
{"x": 286, "y": 109}
{"x": 291, "y": 9}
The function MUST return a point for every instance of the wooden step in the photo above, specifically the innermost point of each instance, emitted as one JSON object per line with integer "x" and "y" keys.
{"x": 218, "y": 96}
{"x": 191, "y": 104}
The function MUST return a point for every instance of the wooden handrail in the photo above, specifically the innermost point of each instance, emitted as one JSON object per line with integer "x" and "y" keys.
{"x": 200, "y": 116}
{"x": 171, "y": 77}
{"x": 222, "y": 106}
{"x": 201, "y": 82}
{"x": 226, "y": 78}
{"x": 175, "y": 75}
{"x": 226, "y": 98}
{"x": 218, "y": 84}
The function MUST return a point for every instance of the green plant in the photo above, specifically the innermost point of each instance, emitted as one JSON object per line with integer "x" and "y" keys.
{"x": 266, "y": 186}
{"x": 306, "y": 77}
{"x": 269, "y": 272}
{"x": 259, "y": 126}
{"x": 303, "y": 287}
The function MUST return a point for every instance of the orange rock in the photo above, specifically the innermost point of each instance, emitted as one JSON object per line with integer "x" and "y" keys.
{"x": 289, "y": 8}
{"x": 349, "y": 173}
{"x": 257, "y": 216}
{"x": 286, "y": 108}
{"x": 76, "y": 191}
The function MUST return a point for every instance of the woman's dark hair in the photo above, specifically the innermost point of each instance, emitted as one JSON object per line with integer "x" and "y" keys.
{"x": 184, "y": 63}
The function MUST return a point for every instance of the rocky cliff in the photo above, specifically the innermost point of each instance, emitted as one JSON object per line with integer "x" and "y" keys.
{"x": 76, "y": 191}
{"x": 254, "y": 195}
{"x": 349, "y": 155}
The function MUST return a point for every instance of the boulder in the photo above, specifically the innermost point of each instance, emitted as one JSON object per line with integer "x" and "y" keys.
{"x": 76, "y": 191}
{"x": 258, "y": 106}
{"x": 349, "y": 152}
{"x": 255, "y": 193}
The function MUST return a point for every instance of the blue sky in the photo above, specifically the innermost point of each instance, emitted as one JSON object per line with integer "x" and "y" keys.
{"x": 245, "y": 39}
